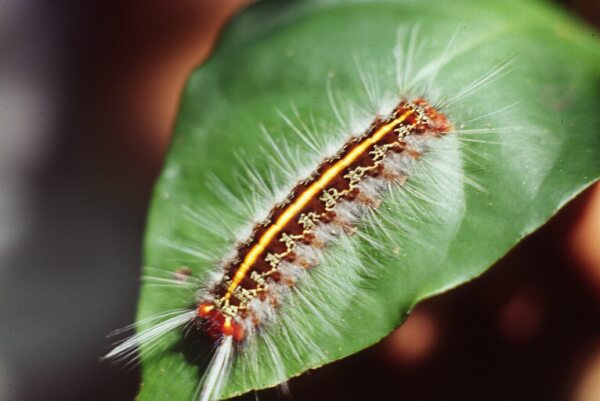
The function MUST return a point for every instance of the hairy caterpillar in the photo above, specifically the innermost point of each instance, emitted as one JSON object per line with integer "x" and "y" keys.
{"x": 339, "y": 197}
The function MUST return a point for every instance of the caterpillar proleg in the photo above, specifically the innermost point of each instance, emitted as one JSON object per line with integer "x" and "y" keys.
{"x": 311, "y": 209}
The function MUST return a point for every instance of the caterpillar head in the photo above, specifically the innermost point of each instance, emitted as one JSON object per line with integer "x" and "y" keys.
{"x": 217, "y": 325}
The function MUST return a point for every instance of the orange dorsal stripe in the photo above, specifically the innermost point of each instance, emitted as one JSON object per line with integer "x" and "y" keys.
{"x": 303, "y": 199}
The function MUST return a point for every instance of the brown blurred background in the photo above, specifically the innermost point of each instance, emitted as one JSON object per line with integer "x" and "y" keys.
{"x": 88, "y": 96}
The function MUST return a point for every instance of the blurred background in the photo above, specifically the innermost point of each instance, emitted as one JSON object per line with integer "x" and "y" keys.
{"x": 88, "y": 96}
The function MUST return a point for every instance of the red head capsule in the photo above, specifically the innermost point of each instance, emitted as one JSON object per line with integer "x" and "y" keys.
{"x": 216, "y": 325}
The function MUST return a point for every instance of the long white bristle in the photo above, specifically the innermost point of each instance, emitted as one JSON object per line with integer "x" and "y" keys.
{"x": 217, "y": 371}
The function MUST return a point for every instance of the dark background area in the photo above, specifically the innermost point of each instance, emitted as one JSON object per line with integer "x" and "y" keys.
{"x": 88, "y": 96}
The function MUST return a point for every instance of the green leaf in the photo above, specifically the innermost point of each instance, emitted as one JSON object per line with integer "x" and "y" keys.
{"x": 277, "y": 56}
